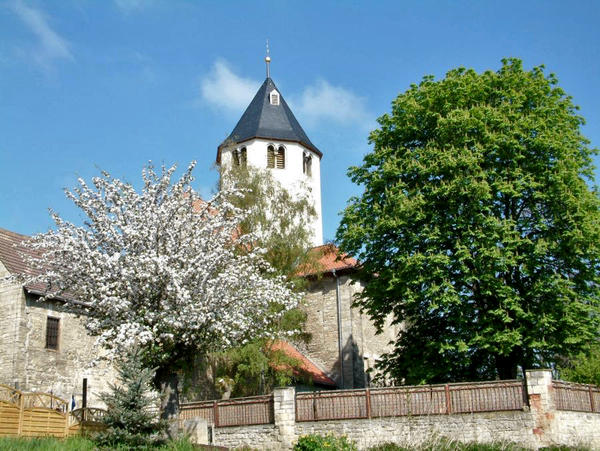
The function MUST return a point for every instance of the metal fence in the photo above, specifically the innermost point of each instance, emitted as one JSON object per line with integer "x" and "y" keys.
{"x": 577, "y": 397}
{"x": 413, "y": 400}
{"x": 233, "y": 412}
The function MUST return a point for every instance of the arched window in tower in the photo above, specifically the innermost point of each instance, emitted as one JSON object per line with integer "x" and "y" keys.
{"x": 270, "y": 157}
{"x": 243, "y": 157}
{"x": 239, "y": 157}
{"x": 307, "y": 165}
{"x": 280, "y": 157}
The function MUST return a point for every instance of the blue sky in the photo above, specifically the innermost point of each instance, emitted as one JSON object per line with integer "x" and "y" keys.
{"x": 110, "y": 85}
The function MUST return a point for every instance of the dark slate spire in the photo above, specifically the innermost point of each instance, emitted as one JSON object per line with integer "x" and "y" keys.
{"x": 264, "y": 120}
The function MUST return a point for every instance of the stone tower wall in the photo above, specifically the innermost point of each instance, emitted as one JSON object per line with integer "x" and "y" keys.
{"x": 361, "y": 345}
{"x": 291, "y": 178}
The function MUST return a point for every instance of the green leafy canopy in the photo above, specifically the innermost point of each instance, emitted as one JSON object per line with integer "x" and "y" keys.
{"x": 478, "y": 228}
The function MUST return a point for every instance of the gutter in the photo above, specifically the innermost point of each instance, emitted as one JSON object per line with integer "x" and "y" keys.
{"x": 339, "y": 325}
{"x": 57, "y": 298}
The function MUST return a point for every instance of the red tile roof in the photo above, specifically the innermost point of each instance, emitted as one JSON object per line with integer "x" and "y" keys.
{"x": 307, "y": 367}
{"x": 13, "y": 256}
{"x": 329, "y": 260}
{"x": 12, "y": 250}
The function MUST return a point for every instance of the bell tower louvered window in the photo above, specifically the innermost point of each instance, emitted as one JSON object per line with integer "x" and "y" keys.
{"x": 270, "y": 157}
{"x": 276, "y": 157}
{"x": 307, "y": 165}
{"x": 243, "y": 157}
{"x": 240, "y": 157}
{"x": 280, "y": 158}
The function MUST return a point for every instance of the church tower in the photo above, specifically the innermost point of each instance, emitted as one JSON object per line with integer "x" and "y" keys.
{"x": 269, "y": 136}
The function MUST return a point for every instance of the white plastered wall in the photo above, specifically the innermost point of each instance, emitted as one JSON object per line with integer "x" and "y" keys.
{"x": 292, "y": 177}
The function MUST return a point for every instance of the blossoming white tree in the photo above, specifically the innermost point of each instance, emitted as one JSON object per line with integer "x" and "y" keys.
{"x": 161, "y": 269}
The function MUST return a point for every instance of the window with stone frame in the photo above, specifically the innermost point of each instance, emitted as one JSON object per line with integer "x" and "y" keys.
{"x": 52, "y": 332}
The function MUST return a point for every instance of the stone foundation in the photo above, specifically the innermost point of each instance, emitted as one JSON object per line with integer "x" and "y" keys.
{"x": 534, "y": 427}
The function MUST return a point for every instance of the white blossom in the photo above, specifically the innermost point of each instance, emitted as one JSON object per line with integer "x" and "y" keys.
{"x": 160, "y": 268}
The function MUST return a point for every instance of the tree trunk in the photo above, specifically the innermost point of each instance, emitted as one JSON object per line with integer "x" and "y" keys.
{"x": 168, "y": 381}
{"x": 506, "y": 366}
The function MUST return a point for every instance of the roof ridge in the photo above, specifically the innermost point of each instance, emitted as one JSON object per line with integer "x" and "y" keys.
{"x": 10, "y": 232}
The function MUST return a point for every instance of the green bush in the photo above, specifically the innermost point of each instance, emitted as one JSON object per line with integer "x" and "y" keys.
{"x": 316, "y": 442}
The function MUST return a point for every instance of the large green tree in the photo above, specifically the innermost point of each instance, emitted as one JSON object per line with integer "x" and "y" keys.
{"x": 478, "y": 227}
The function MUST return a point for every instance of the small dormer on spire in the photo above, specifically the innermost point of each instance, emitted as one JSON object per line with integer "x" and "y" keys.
{"x": 268, "y": 61}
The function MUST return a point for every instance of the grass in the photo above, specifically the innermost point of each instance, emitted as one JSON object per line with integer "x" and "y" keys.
{"x": 79, "y": 444}
{"x": 434, "y": 444}
{"x": 444, "y": 444}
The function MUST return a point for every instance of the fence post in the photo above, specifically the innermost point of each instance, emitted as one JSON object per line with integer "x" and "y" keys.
{"x": 284, "y": 413}
{"x": 448, "y": 399}
{"x": 368, "y": 396}
{"x": 216, "y": 413}
{"x": 591, "y": 399}
{"x": 67, "y": 417}
{"x": 84, "y": 399}
{"x": 21, "y": 409}
{"x": 541, "y": 403}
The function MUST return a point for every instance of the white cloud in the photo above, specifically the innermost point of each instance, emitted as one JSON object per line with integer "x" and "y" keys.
{"x": 225, "y": 90}
{"x": 52, "y": 46}
{"x": 323, "y": 101}
{"x": 129, "y": 6}
{"x": 319, "y": 102}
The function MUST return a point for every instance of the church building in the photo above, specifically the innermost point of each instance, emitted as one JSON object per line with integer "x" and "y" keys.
{"x": 44, "y": 346}
{"x": 344, "y": 341}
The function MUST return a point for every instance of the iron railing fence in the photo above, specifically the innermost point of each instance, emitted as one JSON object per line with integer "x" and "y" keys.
{"x": 577, "y": 397}
{"x": 232, "y": 412}
{"x": 411, "y": 400}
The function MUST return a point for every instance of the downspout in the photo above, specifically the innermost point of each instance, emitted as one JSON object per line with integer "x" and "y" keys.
{"x": 339, "y": 326}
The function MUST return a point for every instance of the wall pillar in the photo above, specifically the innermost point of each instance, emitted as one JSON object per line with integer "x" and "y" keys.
{"x": 541, "y": 403}
{"x": 284, "y": 407}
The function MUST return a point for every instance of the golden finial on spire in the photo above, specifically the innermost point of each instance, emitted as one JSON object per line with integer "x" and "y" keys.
{"x": 268, "y": 61}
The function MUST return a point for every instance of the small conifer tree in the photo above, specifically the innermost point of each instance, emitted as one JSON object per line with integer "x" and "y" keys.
{"x": 129, "y": 418}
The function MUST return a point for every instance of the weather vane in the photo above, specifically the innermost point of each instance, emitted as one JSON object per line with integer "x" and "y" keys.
{"x": 268, "y": 61}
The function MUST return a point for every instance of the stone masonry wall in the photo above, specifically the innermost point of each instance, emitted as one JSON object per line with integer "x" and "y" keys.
{"x": 576, "y": 428}
{"x": 361, "y": 345}
{"x": 11, "y": 298}
{"x": 25, "y": 361}
{"x": 512, "y": 426}
{"x": 535, "y": 427}
{"x": 263, "y": 436}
